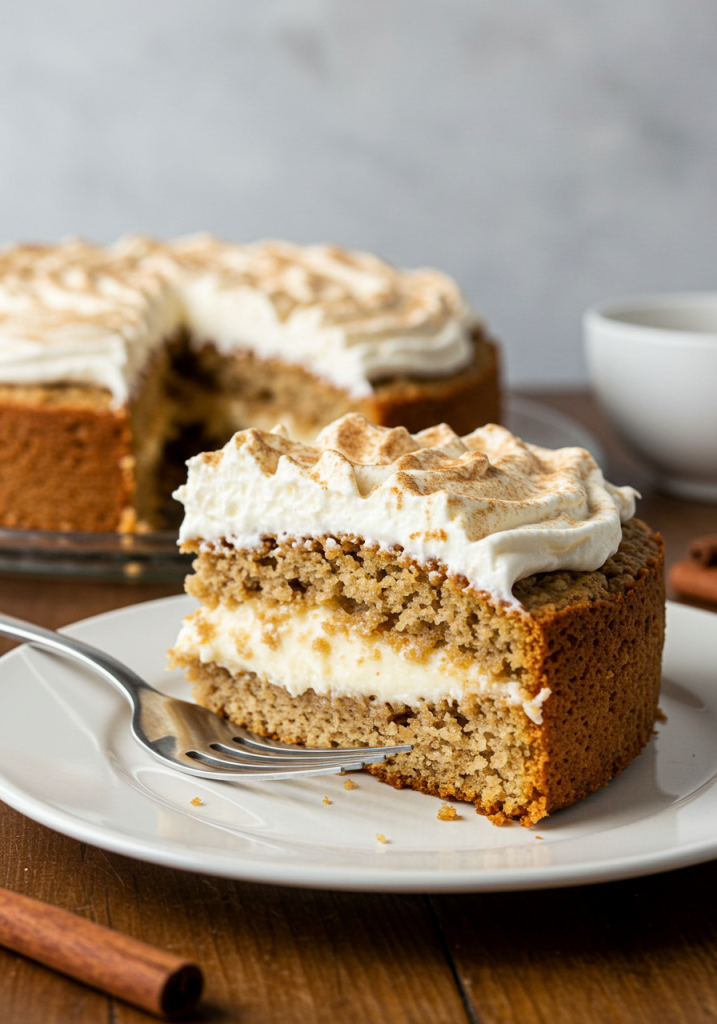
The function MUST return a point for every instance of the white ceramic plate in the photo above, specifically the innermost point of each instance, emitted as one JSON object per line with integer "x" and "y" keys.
{"x": 67, "y": 760}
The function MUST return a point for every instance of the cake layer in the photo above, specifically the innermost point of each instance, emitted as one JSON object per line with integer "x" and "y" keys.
{"x": 479, "y": 749}
{"x": 67, "y": 460}
{"x": 302, "y": 648}
{"x": 416, "y": 605}
{"x": 487, "y": 506}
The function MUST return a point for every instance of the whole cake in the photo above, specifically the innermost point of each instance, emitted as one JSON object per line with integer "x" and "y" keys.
{"x": 493, "y": 603}
{"x": 118, "y": 363}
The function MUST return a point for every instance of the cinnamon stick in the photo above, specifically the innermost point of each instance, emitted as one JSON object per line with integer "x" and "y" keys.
{"x": 693, "y": 580}
{"x": 160, "y": 982}
{"x": 704, "y": 550}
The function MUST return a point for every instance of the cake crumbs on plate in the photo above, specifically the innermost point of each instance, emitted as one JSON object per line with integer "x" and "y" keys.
{"x": 447, "y": 813}
{"x": 196, "y": 802}
{"x": 350, "y": 784}
{"x": 326, "y": 800}
{"x": 538, "y": 837}
{"x": 381, "y": 838}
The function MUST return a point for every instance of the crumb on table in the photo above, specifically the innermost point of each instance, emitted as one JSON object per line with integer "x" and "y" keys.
{"x": 196, "y": 802}
{"x": 448, "y": 813}
{"x": 350, "y": 784}
{"x": 326, "y": 800}
{"x": 381, "y": 837}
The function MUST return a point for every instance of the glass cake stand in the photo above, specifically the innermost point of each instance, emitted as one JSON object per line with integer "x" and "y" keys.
{"x": 131, "y": 558}
{"x": 155, "y": 558}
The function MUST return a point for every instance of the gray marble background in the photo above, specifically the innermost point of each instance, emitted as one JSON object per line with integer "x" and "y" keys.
{"x": 545, "y": 153}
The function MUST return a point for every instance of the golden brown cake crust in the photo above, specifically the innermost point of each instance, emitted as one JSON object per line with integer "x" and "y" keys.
{"x": 66, "y": 460}
{"x": 593, "y": 639}
{"x": 466, "y": 400}
{"x": 602, "y": 660}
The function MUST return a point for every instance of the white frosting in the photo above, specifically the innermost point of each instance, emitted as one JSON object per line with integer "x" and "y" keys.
{"x": 487, "y": 506}
{"x": 303, "y": 649}
{"x": 78, "y": 313}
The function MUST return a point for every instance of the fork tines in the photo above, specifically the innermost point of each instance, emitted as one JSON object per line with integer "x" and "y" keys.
{"x": 252, "y": 757}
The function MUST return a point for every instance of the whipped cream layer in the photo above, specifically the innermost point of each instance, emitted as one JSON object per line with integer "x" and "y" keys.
{"x": 488, "y": 506}
{"x": 302, "y": 649}
{"x": 80, "y": 313}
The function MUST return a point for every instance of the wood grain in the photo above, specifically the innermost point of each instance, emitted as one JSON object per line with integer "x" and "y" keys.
{"x": 642, "y": 952}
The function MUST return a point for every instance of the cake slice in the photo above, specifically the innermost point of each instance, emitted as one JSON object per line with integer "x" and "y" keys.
{"x": 495, "y": 604}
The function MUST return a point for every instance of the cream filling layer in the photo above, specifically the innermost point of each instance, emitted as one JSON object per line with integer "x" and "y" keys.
{"x": 308, "y": 649}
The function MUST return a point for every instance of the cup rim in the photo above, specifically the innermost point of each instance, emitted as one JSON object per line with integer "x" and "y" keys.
{"x": 607, "y": 313}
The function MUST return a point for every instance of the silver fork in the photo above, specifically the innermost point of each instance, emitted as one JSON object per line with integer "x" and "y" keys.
{"x": 191, "y": 738}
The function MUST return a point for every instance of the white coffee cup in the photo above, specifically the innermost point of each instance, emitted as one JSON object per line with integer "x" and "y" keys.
{"x": 653, "y": 364}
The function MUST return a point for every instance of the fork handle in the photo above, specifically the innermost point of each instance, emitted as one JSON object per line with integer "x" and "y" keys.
{"x": 120, "y": 676}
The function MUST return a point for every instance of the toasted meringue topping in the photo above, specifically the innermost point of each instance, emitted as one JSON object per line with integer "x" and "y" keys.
{"x": 76, "y": 312}
{"x": 488, "y": 506}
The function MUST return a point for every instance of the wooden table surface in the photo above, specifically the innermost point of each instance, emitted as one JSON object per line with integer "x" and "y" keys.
{"x": 636, "y": 951}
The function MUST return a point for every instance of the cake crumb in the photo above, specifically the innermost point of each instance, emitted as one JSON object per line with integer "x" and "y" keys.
{"x": 448, "y": 813}
{"x": 196, "y": 802}
{"x": 381, "y": 838}
{"x": 350, "y": 784}
{"x": 326, "y": 800}
{"x": 538, "y": 837}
